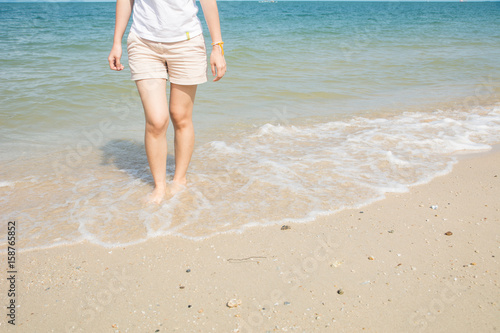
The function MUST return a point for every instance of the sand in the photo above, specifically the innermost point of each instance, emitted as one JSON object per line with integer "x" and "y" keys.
{"x": 386, "y": 267}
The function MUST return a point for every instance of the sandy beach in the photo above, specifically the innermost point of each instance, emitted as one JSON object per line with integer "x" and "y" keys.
{"x": 423, "y": 261}
{"x": 354, "y": 109}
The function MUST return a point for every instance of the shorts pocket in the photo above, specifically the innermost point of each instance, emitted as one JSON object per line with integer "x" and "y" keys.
{"x": 199, "y": 43}
{"x": 131, "y": 36}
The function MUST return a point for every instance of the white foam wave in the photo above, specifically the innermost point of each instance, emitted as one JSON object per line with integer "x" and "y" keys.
{"x": 278, "y": 174}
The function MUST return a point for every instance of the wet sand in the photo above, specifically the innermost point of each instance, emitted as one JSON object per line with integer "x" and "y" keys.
{"x": 423, "y": 261}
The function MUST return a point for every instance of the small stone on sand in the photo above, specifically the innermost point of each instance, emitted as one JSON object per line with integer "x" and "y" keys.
{"x": 233, "y": 303}
{"x": 336, "y": 264}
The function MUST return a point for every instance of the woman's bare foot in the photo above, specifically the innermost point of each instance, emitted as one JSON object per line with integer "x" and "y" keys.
{"x": 176, "y": 187}
{"x": 157, "y": 195}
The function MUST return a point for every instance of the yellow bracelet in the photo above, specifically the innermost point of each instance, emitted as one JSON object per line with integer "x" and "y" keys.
{"x": 220, "y": 44}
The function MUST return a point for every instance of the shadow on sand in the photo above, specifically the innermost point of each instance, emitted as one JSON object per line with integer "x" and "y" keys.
{"x": 130, "y": 157}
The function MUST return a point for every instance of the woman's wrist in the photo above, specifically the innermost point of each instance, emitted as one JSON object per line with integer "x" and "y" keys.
{"x": 219, "y": 46}
{"x": 117, "y": 42}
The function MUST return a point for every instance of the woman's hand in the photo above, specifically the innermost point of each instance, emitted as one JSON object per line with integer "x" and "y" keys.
{"x": 123, "y": 11}
{"x": 114, "y": 58}
{"x": 217, "y": 62}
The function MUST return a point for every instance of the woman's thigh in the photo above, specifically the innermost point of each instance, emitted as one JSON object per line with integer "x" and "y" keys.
{"x": 181, "y": 102}
{"x": 154, "y": 100}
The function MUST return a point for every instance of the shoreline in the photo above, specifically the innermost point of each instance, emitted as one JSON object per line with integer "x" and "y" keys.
{"x": 385, "y": 267}
{"x": 306, "y": 220}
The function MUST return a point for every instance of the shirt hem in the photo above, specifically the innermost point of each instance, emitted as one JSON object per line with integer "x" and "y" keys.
{"x": 179, "y": 38}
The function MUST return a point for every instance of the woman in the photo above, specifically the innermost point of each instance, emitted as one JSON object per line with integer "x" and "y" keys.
{"x": 166, "y": 42}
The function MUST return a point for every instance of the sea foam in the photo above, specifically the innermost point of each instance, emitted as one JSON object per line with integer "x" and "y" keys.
{"x": 273, "y": 175}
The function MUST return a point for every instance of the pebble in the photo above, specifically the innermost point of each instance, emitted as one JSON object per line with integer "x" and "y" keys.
{"x": 233, "y": 303}
{"x": 371, "y": 258}
{"x": 286, "y": 303}
{"x": 448, "y": 233}
{"x": 434, "y": 206}
{"x": 188, "y": 270}
{"x": 336, "y": 264}
{"x": 285, "y": 227}
{"x": 391, "y": 231}
{"x": 340, "y": 292}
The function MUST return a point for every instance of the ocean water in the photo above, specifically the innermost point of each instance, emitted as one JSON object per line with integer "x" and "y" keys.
{"x": 325, "y": 106}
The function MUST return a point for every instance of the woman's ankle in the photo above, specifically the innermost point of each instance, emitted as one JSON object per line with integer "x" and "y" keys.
{"x": 161, "y": 186}
{"x": 181, "y": 181}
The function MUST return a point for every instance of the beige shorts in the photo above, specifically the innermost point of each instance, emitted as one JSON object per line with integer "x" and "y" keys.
{"x": 183, "y": 62}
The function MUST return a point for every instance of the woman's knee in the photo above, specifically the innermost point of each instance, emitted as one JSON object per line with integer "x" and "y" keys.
{"x": 157, "y": 126}
{"x": 181, "y": 120}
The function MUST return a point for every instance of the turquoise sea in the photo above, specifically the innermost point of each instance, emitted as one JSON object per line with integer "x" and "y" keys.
{"x": 325, "y": 106}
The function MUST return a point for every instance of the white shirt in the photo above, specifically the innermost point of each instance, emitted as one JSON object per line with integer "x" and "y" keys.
{"x": 165, "y": 20}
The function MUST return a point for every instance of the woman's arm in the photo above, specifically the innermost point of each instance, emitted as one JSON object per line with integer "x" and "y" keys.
{"x": 217, "y": 61}
{"x": 123, "y": 11}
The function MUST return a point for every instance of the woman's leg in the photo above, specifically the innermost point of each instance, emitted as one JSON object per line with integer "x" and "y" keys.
{"x": 154, "y": 100}
{"x": 181, "y": 110}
